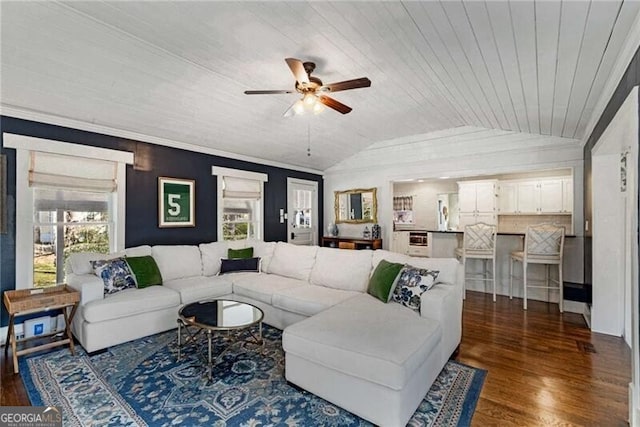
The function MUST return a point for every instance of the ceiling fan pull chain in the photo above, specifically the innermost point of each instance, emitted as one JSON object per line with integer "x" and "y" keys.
{"x": 309, "y": 137}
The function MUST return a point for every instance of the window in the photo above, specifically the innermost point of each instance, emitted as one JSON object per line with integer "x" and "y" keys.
{"x": 68, "y": 199}
{"x": 65, "y": 222}
{"x": 240, "y": 201}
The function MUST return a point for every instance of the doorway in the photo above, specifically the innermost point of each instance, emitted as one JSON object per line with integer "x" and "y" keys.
{"x": 615, "y": 236}
{"x": 302, "y": 209}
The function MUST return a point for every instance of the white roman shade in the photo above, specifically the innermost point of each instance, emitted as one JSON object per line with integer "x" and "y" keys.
{"x": 51, "y": 170}
{"x": 241, "y": 188}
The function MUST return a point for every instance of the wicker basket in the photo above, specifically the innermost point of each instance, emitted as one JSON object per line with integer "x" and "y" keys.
{"x": 24, "y": 300}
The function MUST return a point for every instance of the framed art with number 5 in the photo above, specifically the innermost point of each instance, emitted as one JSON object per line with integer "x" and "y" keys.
{"x": 176, "y": 202}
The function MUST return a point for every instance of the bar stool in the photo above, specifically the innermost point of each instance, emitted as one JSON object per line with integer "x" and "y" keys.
{"x": 479, "y": 242}
{"x": 543, "y": 244}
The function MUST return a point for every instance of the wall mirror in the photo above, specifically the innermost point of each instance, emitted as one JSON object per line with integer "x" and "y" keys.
{"x": 356, "y": 206}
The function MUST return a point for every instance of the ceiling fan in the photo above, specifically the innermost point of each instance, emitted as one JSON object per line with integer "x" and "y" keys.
{"x": 313, "y": 90}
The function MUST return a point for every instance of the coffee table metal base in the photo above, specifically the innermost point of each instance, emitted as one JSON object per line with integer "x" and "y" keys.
{"x": 257, "y": 340}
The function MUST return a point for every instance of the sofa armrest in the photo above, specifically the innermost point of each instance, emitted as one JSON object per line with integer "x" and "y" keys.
{"x": 443, "y": 303}
{"x": 90, "y": 286}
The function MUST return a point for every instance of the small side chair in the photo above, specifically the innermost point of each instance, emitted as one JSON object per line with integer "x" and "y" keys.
{"x": 543, "y": 244}
{"x": 479, "y": 242}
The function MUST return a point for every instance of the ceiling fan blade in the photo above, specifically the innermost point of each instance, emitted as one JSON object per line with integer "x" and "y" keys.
{"x": 332, "y": 103}
{"x": 266, "y": 92}
{"x": 290, "y": 111}
{"x": 347, "y": 84}
{"x": 298, "y": 70}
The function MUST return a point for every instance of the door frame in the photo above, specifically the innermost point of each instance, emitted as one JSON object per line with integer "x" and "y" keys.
{"x": 314, "y": 208}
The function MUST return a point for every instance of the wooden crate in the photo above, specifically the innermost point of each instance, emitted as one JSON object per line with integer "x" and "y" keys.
{"x": 36, "y": 299}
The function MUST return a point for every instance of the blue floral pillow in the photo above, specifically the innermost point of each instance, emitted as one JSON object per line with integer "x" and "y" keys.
{"x": 411, "y": 283}
{"x": 115, "y": 273}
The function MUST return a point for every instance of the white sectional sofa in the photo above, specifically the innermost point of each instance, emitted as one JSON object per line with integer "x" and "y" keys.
{"x": 374, "y": 359}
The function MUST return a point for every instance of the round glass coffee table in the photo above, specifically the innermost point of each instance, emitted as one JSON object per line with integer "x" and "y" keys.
{"x": 218, "y": 315}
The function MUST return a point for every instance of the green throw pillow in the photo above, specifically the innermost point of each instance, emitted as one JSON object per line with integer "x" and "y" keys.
{"x": 245, "y": 253}
{"x": 382, "y": 279}
{"x": 145, "y": 270}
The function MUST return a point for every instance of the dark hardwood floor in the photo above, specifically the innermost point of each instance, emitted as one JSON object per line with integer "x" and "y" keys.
{"x": 544, "y": 368}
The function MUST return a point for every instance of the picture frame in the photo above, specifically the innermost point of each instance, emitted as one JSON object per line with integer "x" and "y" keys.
{"x": 176, "y": 202}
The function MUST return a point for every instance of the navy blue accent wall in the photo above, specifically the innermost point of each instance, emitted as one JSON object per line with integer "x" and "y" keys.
{"x": 630, "y": 79}
{"x": 152, "y": 161}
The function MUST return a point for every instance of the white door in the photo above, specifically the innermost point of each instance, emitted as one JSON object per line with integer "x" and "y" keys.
{"x": 302, "y": 212}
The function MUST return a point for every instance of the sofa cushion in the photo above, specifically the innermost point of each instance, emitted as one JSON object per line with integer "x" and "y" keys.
{"x": 145, "y": 270}
{"x": 378, "y": 342}
{"x": 115, "y": 273}
{"x": 293, "y": 260}
{"x": 342, "y": 269}
{"x": 261, "y": 287}
{"x": 263, "y": 250}
{"x": 142, "y": 250}
{"x": 383, "y": 280}
{"x": 130, "y": 302}
{"x": 178, "y": 261}
{"x": 411, "y": 284}
{"x": 193, "y": 289}
{"x": 389, "y": 256}
{"x": 80, "y": 262}
{"x": 212, "y": 253}
{"x": 243, "y": 253}
{"x": 309, "y": 300}
{"x": 240, "y": 264}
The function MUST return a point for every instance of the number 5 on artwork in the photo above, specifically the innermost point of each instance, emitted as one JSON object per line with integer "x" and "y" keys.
{"x": 172, "y": 201}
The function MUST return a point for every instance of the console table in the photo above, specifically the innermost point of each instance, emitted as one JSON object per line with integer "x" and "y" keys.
{"x": 351, "y": 243}
{"x": 36, "y": 300}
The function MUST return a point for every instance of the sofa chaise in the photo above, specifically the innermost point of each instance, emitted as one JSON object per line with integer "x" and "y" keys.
{"x": 375, "y": 359}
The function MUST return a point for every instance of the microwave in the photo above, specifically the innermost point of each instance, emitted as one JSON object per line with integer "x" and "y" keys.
{"x": 418, "y": 238}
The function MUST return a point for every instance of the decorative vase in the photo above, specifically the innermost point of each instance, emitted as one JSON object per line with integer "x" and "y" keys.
{"x": 375, "y": 231}
{"x": 366, "y": 234}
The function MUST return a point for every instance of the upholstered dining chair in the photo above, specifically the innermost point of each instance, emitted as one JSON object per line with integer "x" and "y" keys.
{"x": 479, "y": 242}
{"x": 543, "y": 244}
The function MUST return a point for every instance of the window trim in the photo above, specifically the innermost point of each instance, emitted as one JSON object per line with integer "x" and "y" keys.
{"x": 24, "y": 194}
{"x": 220, "y": 172}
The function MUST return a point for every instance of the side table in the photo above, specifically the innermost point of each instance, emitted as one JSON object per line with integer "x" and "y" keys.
{"x": 36, "y": 300}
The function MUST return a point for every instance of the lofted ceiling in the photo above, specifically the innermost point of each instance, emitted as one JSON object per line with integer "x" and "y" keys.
{"x": 177, "y": 70}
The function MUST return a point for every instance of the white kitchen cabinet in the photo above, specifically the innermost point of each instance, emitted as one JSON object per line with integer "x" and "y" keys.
{"x": 542, "y": 196}
{"x": 400, "y": 242}
{"x": 550, "y": 196}
{"x": 508, "y": 197}
{"x": 567, "y": 195}
{"x": 477, "y": 202}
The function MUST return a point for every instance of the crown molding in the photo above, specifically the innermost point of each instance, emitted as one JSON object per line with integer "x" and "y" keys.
{"x": 37, "y": 116}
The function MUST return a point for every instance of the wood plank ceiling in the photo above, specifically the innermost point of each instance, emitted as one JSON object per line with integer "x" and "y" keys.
{"x": 177, "y": 70}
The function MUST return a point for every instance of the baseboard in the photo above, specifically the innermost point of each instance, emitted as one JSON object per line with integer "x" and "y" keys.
{"x": 634, "y": 412}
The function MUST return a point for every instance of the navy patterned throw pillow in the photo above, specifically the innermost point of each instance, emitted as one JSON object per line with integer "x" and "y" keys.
{"x": 115, "y": 273}
{"x": 411, "y": 283}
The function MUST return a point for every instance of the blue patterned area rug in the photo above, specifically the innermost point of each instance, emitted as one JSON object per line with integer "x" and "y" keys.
{"x": 141, "y": 383}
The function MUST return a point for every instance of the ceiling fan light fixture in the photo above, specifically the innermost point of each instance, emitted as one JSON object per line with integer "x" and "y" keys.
{"x": 298, "y": 107}
{"x": 318, "y": 108}
{"x": 309, "y": 99}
